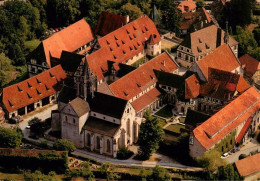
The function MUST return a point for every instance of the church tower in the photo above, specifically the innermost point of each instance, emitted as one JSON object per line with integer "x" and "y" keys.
{"x": 226, "y": 36}
{"x": 86, "y": 83}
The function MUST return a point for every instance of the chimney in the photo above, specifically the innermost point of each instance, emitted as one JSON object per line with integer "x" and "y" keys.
{"x": 127, "y": 19}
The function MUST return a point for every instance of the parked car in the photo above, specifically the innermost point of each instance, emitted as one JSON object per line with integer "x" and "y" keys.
{"x": 225, "y": 155}
{"x": 28, "y": 127}
{"x": 15, "y": 119}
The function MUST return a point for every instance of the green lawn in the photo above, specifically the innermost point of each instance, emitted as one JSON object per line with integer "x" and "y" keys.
{"x": 176, "y": 128}
{"x": 138, "y": 62}
{"x": 32, "y": 44}
{"x": 162, "y": 122}
{"x": 165, "y": 112}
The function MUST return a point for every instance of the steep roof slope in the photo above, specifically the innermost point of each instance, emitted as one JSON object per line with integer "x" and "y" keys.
{"x": 122, "y": 44}
{"x": 249, "y": 165}
{"x": 249, "y": 64}
{"x": 68, "y": 39}
{"x": 80, "y": 106}
{"x": 187, "y": 3}
{"x": 221, "y": 58}
{"x": 33, "y": 89}
{"x": 228, "y": 118}
{"x": 141, "y": 78}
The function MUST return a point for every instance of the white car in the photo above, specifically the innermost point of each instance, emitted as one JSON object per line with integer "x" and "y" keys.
{"x": 225, "y": 155}
{"x": 28, "y": 127}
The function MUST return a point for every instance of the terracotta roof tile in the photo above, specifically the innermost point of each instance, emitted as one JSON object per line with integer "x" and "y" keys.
{"x": 242, "y": 85}
{"x": 206, "y": 40}
{"x": 131, "y": 84}
{"x": 33, "y": 89}
{"x": 192, "y": 87}
{"x": 122, "y": 44}
{"x": 227, "y": 119}
{"x": 68, "y": 39}
{"x": 249, "y": 165}
{"x": 221, "y": 56}
{"x": 188, "y": 3}
{"x": 249, "y": 64}
{"x": 244, "y": 130}
{"x": 108, "y": 22}
{"x": 146, "y": 99}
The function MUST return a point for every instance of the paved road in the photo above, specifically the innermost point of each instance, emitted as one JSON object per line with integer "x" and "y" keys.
{"x": 247, "y": 149}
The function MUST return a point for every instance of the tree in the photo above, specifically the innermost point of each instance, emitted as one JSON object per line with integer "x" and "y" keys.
{"x": 108, "y": 170}
{"x": 200, "y": 3}
{"x": 5, "y": 69}
{"x": 247, "y": 43}
{"x": 211, "y": 160}
{"x": 33, "y": 121}
{"x": 64, "y": 145}
{"x": 170, "y": 15}
{"x": 241, "y": 12}
{"x": 38, "y": 175}
{"x": 85, "y": 172}
{"x": 160, "y": 174}
{"x": 150, "y": 135}
{"x": 10, "y": 138}
{"x": 37, "y": 126}
{"x": 227, "y": 173}
{"x": 132, "y": 10}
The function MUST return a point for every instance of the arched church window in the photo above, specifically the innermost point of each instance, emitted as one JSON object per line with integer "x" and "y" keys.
{"x": 108, "y": 146}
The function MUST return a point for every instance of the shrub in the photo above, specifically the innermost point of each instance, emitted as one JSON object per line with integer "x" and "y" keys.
{"x": 44, "y": 144}
{"x": 10, "y": 138}
{"x": 242, "y": 156}
{"x": 85, "y": 172}
{"x": 124, "y": 153}
{"x": 64, "y": 145}
{"x": 160, "y": 174}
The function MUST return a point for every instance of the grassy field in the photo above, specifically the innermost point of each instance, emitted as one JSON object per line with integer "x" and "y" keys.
{"x": 165, "y": 112}
{"x": 182, "y": 120}
{"x": 11, "y": 176}
{"x": 161, "y": 121}
{"x": 23, "y": 75}
{"x": 32, "y": 44}
{"x": 176, "y": 128}
{"x": 133, "y": 171}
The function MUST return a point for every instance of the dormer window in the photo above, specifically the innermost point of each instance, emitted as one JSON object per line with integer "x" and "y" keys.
{"x": 47, "y": 88}
{"x": 130, "y": 48}
{"x": 199, "y": 50}
{"x": 38, "y": 92}
{"x": 138, "y": 44}
{"x": 127, "y": 32}
{"x": 116, "y": 38}
{"x": 114, "y": 57}
{"x": 123, "y": 42}
{"x": 134, "y": 35}
{"x": 134, "y": 27}
{"x": 29, "y": 85}
{"x": 108, "y": 42}
{"x": 200, "y": 40}
{"x": 125, "y": 93}
{"x": 146, "y": 29}
{"x": 117, "y": 44}
{"x": 138, "y": 85}
{"x": 29, "y": 96}
{"x": 51, "y": 74}
{"x": 111, "y": 49}
{"x": 124, "y": 52}
{"x": 10, "y": 104}
{"x": 135, "y": 47}
{"x": 19, "y": 89}
{"x": 38, "y": 81}
{"x": 142, "y": 31}
{"x": 207, "y": 46}
{"x": 130, "y": 37}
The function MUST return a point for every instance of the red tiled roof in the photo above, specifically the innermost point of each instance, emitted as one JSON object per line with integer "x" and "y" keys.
{"x": 206, "y": 40}
{"x": 192, "y": 87}
{"x": 141, "y": 78}
{"x": 249, "y": 165}
{"x": 146, "y": 99}
{"x": 222, "y": 58}
{"x": 189, "y": 3}
{"x": 68, "y": 39}
{"x": 122, "y": 44}
{"x": 33, "y": 89}
{"x": 227, "y": 119}
{"x": 242, "y": 85}
{"x": 249, "y": 64}
{"x": 244, "y": 130}
{"x": 108, "y": 22}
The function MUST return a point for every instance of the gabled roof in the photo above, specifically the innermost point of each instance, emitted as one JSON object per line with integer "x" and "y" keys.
{"x": 122, "y": 44}
{"x": 108, "y": 105}
{"x": 249, "y": 64}
{"x": 141, "y": 78}
{"x": 187, "y": 3}
{"x": 242, "y": 85}
{"x": 227, "y": 119}
{"x": 249, "y": 165}
{"x": 192, "y": 87}
{"x": 169, "y": 79}
{"x": 68, "y": 39}
{"x": 70, "y": 61}
{"x": 244, "y": 130}
{"x": 206, "y": 40}
{"x": 80, "y": 106}
{"x": 221, "y": 58}
{"x": 101, "y": 126}
{"x": 33, "y": 89}
{"x": 108, "y": 22}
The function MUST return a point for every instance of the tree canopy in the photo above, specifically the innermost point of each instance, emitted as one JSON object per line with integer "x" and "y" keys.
{"x": 132, "y": 10}
{"x": 150, "y": 135}
{"x": 10, "y": 138}
{"x": 64, "y": 145}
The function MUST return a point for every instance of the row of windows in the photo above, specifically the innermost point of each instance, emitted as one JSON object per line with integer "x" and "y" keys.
{"x": 108, "y": 143}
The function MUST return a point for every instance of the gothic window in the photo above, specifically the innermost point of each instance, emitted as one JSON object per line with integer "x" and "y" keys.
{"x": 98, "y": 142}
{"x": 108, "y": 146}
{"x": 186, "y": 57}
{"x": 66, "y": 118}
{"x": 88, "y": 139}
{"x": 74, "y": 121}
{"x": 128, "y": 127}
